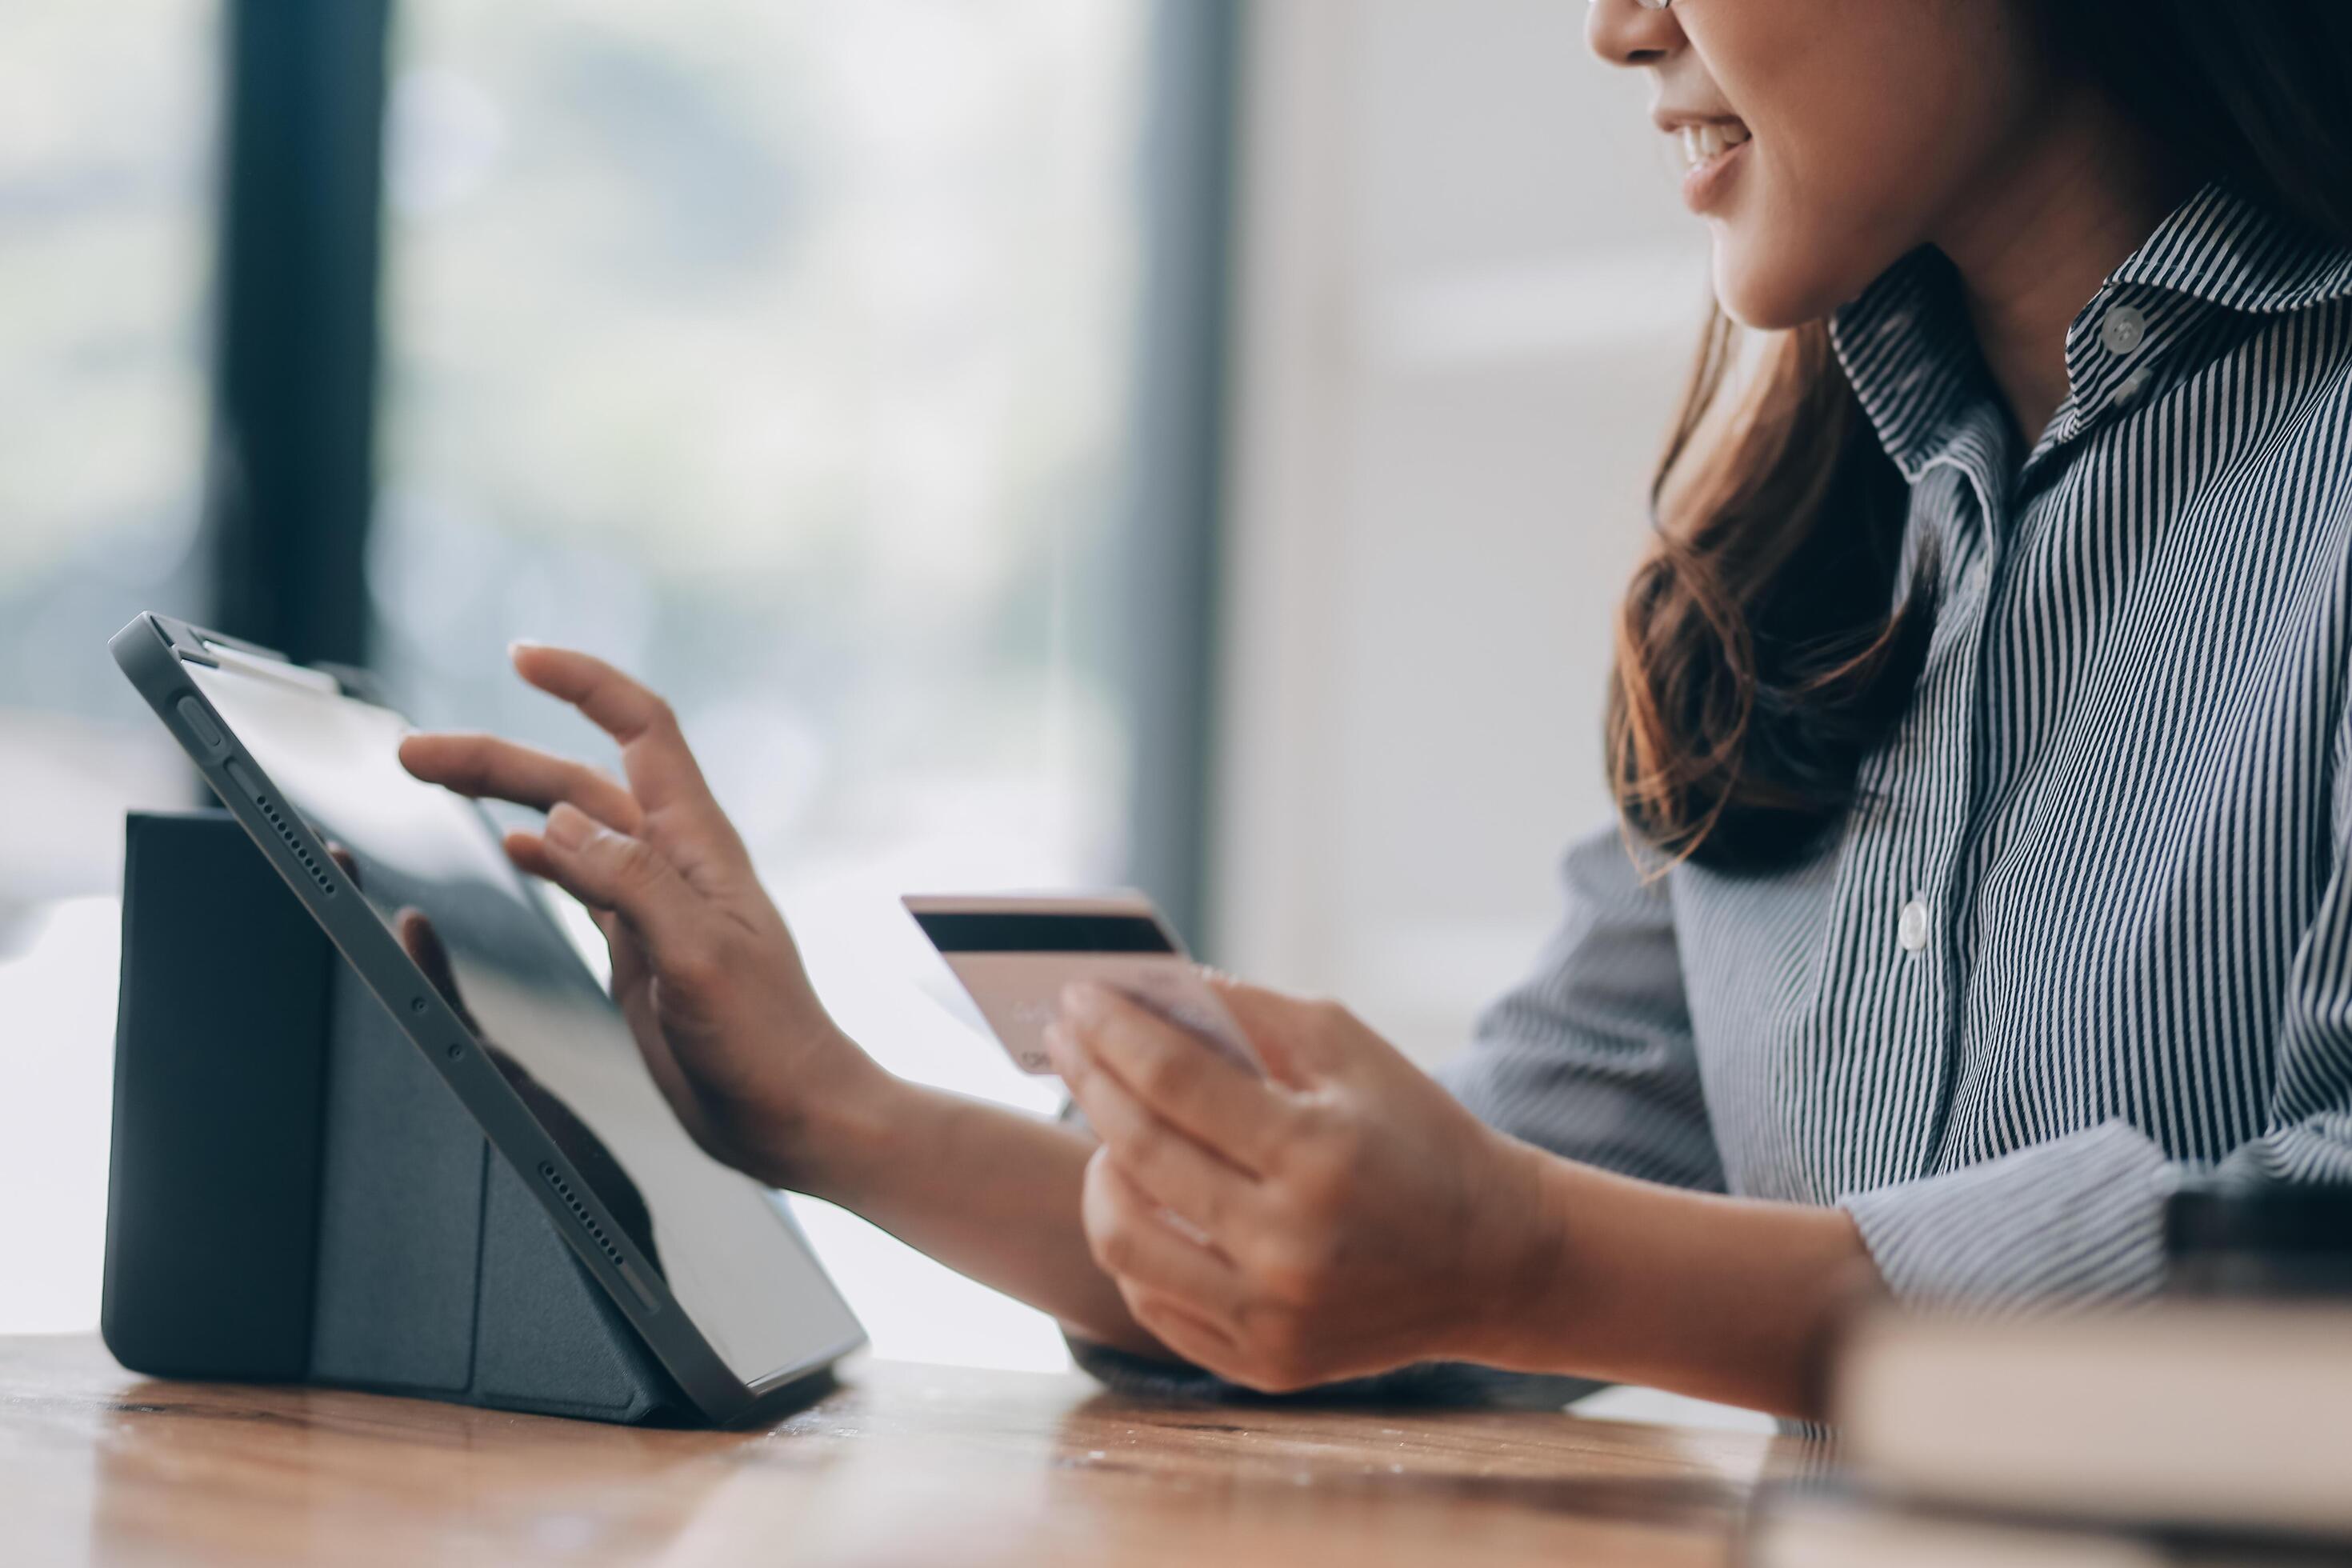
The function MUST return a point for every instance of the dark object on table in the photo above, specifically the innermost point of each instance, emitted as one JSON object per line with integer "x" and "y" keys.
{"x": 2249, "y": 1238}
{"x": 297, "y": 1197}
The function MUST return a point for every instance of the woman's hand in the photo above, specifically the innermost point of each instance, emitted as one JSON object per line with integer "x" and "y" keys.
{"x": 703, "y": 966}
{"x": 1344, "y": 1217}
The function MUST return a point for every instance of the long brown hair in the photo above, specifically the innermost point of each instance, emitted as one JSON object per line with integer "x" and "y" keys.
{"x": 1761, "y": 654}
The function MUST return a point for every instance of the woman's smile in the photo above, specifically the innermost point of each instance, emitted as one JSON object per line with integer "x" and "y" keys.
{"x": 1711, "y": 159}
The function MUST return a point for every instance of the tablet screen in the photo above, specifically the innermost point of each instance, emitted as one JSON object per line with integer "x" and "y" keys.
{"x": 719, "y": 1241}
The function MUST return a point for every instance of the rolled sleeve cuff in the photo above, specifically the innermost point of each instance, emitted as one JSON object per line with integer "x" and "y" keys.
{"x": 2074, "y": 1221}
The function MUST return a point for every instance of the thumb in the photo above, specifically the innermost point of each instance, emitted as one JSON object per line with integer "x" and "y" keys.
{"x": 1292, "y": 1035}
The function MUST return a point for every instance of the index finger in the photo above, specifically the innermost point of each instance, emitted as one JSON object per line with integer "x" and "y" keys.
{"x": 662, "y": 772}
{"x": 1180, "y": 1077}
{"x": 485, "y": 766}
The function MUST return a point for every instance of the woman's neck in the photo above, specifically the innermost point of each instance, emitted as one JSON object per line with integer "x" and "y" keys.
{"x": 2055, "y": 219}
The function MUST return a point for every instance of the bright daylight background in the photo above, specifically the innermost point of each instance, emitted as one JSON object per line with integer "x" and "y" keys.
{"x": 777, "y": 352}
{"x": 780, "y": 348}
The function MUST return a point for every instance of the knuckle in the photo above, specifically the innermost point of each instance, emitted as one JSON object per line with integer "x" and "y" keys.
{"x": 1291, "y": 1135}
{"x": 1320, "y": 1160}
{"x": 634, "y": 862}
{"x": 1152, "y": 1311}
{"x": 696, "y": 967}
{"x": 1257, "y": 1377}
{"x": 1113, "y": 1243}
{"x": 1162, "y": 1073}
{"x": 1337, "y": 1141}
{"x": 1312, "y": 1122}
{"x": 724, "y": 951}
{"x": 1110, "y": 1231}
{"x": 1097, "y": 1194}
{"x": 1281, "y": 1374}
{"x": 1305, "y": 1268}
{"x": 1344, "y": 1139}
{"x": 1213, "y": 1209}
{"x": 1143, "y": 1144}
{"x": 1279, "y": 1345}
{"x": 1291, "y": 1266}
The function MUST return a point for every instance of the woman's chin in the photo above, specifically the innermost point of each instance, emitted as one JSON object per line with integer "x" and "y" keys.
{"x": 1771, "y": 292}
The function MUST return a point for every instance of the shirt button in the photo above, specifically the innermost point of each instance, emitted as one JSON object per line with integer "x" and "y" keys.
{"x": 2129, "y": 390}
{"x": 2123, "y": 331}
{"x": 1911, "y": 931}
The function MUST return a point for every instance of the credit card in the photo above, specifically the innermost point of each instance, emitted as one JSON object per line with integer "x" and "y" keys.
{"x": 1013, "y": 954}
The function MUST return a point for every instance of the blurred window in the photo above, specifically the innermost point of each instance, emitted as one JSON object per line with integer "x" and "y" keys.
{"x": 107, "y": 118}
{"x": 106, "y": 146}
{"x": 781, "y": 353}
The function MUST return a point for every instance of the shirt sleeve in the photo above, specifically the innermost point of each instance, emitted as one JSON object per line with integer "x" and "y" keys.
{"x": 2080, "y": 1218}
{"x": 1590, "y": 1056}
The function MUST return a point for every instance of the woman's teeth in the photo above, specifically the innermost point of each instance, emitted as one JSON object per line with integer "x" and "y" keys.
{"x": 1704, "y": 143}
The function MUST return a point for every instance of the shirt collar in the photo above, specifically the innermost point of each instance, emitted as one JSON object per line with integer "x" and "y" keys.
{"x": 1911, "y": 355}
{"x": 2227, "y": 250}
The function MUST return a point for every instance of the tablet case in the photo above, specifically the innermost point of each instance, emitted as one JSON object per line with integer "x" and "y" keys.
{"x": 296, "y": 1195}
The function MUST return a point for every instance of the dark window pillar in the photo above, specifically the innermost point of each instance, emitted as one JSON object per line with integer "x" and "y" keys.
{"x": 292, "y": 482}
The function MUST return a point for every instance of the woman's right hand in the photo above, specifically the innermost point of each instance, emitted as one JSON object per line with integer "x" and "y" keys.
{"x": 704, "y": 968}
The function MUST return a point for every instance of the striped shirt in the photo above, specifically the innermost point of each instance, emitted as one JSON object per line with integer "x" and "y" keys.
{"x": 2094, "y": 924}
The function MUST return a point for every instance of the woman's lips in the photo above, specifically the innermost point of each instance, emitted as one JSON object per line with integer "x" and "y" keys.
{"x": 1712, "y": 155}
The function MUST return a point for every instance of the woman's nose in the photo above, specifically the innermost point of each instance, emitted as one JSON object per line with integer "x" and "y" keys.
{"x": 1632, "y": 32}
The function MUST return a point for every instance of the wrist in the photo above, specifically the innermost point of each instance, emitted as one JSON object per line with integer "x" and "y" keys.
{"x": 1723, "y": 1298}
{"x": 1519, "y": 1315}
{"x": 836, "y": 1136}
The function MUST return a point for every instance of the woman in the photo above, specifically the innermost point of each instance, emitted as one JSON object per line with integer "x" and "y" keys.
{"x": 1978, "y": 729}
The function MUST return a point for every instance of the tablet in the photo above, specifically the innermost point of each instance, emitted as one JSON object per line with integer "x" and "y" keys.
{"x": 705, "y": 1262}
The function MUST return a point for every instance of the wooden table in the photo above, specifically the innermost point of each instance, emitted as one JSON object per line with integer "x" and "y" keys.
{"x": 900, "y": 1464}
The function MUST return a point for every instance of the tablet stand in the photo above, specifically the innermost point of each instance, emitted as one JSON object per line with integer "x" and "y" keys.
{"x": 296, "y": 1195}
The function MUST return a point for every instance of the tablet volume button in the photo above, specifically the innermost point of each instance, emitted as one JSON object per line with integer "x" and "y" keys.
{"x": 200, "y": 724}
{"x": 646, "y": 1297}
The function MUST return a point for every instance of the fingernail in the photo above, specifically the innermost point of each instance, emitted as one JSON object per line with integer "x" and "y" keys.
{"x": 1084, "y": 1001}
{"x": 568, "y": 825}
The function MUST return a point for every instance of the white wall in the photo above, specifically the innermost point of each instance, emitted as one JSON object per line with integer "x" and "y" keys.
{"x": 1469, "y": 298}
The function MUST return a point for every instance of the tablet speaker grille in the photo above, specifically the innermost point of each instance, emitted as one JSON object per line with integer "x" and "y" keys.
{"x": 294, "y": 842}
{"x": 580, "y": 1212}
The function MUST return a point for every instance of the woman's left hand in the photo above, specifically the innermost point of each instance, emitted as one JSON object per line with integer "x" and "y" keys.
{"x": 1343, "y": 1216}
